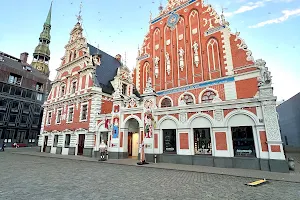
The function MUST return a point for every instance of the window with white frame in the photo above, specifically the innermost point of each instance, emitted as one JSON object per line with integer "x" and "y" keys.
{"x": 208, "y": 96}
{"x": 188, "y": 99}
{"x": 84, "y": 112}
{"x": 55, "y": 142}
{"x": 70, "y": 114}
{"x": 58, "y": 116}
{"x": 68, "y": 140}
{"x": 62, "y": 90}
{"x": 74, "y": 86}
{"x": 166, "y": 102}
{"x": 49, "y": 117}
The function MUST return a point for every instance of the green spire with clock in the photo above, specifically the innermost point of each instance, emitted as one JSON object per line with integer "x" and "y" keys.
{"x": 41, "y": 55}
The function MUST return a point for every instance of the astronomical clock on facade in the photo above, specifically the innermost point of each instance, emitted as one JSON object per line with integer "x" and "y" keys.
{"x": 196, "y": 96}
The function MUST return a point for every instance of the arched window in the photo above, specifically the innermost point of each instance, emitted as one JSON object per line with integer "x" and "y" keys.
{"x": 74, "y": 54}
{"x": 213, "y": 55}
{"x": 208, "y": 96}
{"x": 70, "y": 57}
{"x": 166, "y": 102}
{"x": 188, "y": 99}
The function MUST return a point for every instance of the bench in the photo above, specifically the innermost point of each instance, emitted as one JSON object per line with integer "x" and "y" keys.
{"x": 19, "y": 145}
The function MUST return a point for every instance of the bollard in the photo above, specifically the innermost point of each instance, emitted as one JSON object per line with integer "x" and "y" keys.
{"x": 106, "y": 155}
{"x": 155, "y": 158}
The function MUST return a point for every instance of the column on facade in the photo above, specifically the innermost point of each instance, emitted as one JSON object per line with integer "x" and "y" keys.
{"x": 123, "y": 137}
{"x": 274, "y": 141}
{"x": 185, "y": 141}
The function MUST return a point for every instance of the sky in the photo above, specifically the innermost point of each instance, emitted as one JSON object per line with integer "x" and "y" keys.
{"x": 270, "y": 28}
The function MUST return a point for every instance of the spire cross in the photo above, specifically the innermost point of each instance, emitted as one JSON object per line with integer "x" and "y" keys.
{"x": 125, "y": 59}
{"x": 79, "y": 18}
{"x": 223, "y": 10}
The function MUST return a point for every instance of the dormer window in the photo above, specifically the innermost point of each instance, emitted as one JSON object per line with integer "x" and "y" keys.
{"x": 124, "y": 89}
{"x": 15, "y": 79}
{"x": 39, "y": 87}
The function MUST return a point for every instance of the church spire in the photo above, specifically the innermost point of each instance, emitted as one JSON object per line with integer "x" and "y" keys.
{"x": 41, "y": 55}
{"x": 48, "y": 20}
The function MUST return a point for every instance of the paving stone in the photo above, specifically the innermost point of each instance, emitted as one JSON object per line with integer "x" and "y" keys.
{"x": 26, "y": 177}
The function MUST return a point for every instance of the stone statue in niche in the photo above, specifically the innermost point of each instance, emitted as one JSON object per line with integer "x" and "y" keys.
{"x": 182, "y": 102}
{"x": 168, "y": 63}
{"x": 148, "y": 88}
{"x": 181, "y": 58}
{"x": 265, "y": 75}
{"x": 156, "y": 60}
{"x": 196, "y": 56}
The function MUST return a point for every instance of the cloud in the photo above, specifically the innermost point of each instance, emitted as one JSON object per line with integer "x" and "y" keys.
{"x": 248, "y": 7}
{"x": 286, "y": 15}
{"x": 252, "y": 5}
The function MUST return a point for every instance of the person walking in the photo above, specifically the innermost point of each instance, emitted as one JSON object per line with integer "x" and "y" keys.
{"x": 3, "y": 146}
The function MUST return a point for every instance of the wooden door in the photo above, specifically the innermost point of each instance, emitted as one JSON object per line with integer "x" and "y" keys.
{"x": 81, "y": 144}
{"x": 129, "y": 144}
{"x": 45, "y": 143}
{"x": 135, "y": 144}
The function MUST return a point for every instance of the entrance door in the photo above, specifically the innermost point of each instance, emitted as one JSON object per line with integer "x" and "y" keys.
{"x": 81, "y": 144}
{"x": 20, "y": 137}
{"x": 130, "y": 144}
{"x": 45, "y": 143}
{"x": 135, "y": 145}
{"x": 104, "y": 136}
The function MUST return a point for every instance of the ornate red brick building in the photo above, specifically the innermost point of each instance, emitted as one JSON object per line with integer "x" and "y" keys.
{"x": 196, "y": 97}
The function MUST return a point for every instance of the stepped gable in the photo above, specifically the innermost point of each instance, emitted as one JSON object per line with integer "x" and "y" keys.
{"x": 106, "y": 71}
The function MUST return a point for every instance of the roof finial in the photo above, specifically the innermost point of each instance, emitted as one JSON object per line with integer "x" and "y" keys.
{"x": 160, "y": 8}
{"x": 79, "y": 17}
{"x": 150, "y": 16}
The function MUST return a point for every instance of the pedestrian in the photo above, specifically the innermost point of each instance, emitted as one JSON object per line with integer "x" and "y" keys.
{"x": 3, "y": 146}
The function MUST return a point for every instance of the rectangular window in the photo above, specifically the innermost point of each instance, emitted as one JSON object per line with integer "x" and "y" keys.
{"x": 12, "y": 118}
{"x": 39, "y": 87}
{"x": 15, "y": 79}
{"x": 124, "y": 89}
{"x": 1, "y": 117}
{"x": 169, "y": 141}
{"x": 84, "y": 112}
{"x": 35, "y": 121}
{"x": 8, "y": 135}
{"x": 58, "y": 117}
{"x": 49, "y": 118}
{"x": 67, "y": 140}
{"x": 55, "y": 142}
{"x": 202, "y": 141}
{"x": 243, "y": 141}
{"x": 73, "y": 89}
{"x": 39, "y": 96}
{"x": 70, "y": 114}
{"x": 24, "y": 119}
{"x": 62, "y": 91}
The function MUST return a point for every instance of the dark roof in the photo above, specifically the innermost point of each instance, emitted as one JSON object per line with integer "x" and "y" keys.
{"x": 15, "y": 63}
{"x": 106, "y": 71}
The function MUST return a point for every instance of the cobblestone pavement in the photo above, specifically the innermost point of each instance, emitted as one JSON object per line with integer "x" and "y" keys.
{"x": 29, "y": 177}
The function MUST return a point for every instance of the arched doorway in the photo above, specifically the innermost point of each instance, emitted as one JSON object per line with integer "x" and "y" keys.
{"x": 132, "y": 128}
{"x": 244, "y": 136}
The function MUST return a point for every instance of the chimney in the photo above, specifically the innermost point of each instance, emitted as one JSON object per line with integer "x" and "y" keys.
{"x": 24, "y": 57}
{"x": 118, "y": 57}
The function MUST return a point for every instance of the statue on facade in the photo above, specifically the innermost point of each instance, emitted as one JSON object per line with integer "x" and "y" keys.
{"x": 265, "y": 75}
{"x": 181, "y": 58}
{"x": 156, "y": 60}
{"x": 196, "y": 56}
{"x": 182, "y": 102}
{"x": 168, "y": 63}
{"x": 148, "y": 88}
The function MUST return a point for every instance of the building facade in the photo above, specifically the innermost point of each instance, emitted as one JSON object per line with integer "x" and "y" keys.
{"x": 23, "y": 89}
{"x": 289, "y": 118}
{"x": 22, "y": 93}
{"x": 196, "y": 96}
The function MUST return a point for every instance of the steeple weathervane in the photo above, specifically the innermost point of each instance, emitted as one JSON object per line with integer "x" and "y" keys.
{"x": 79, "y": 17}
